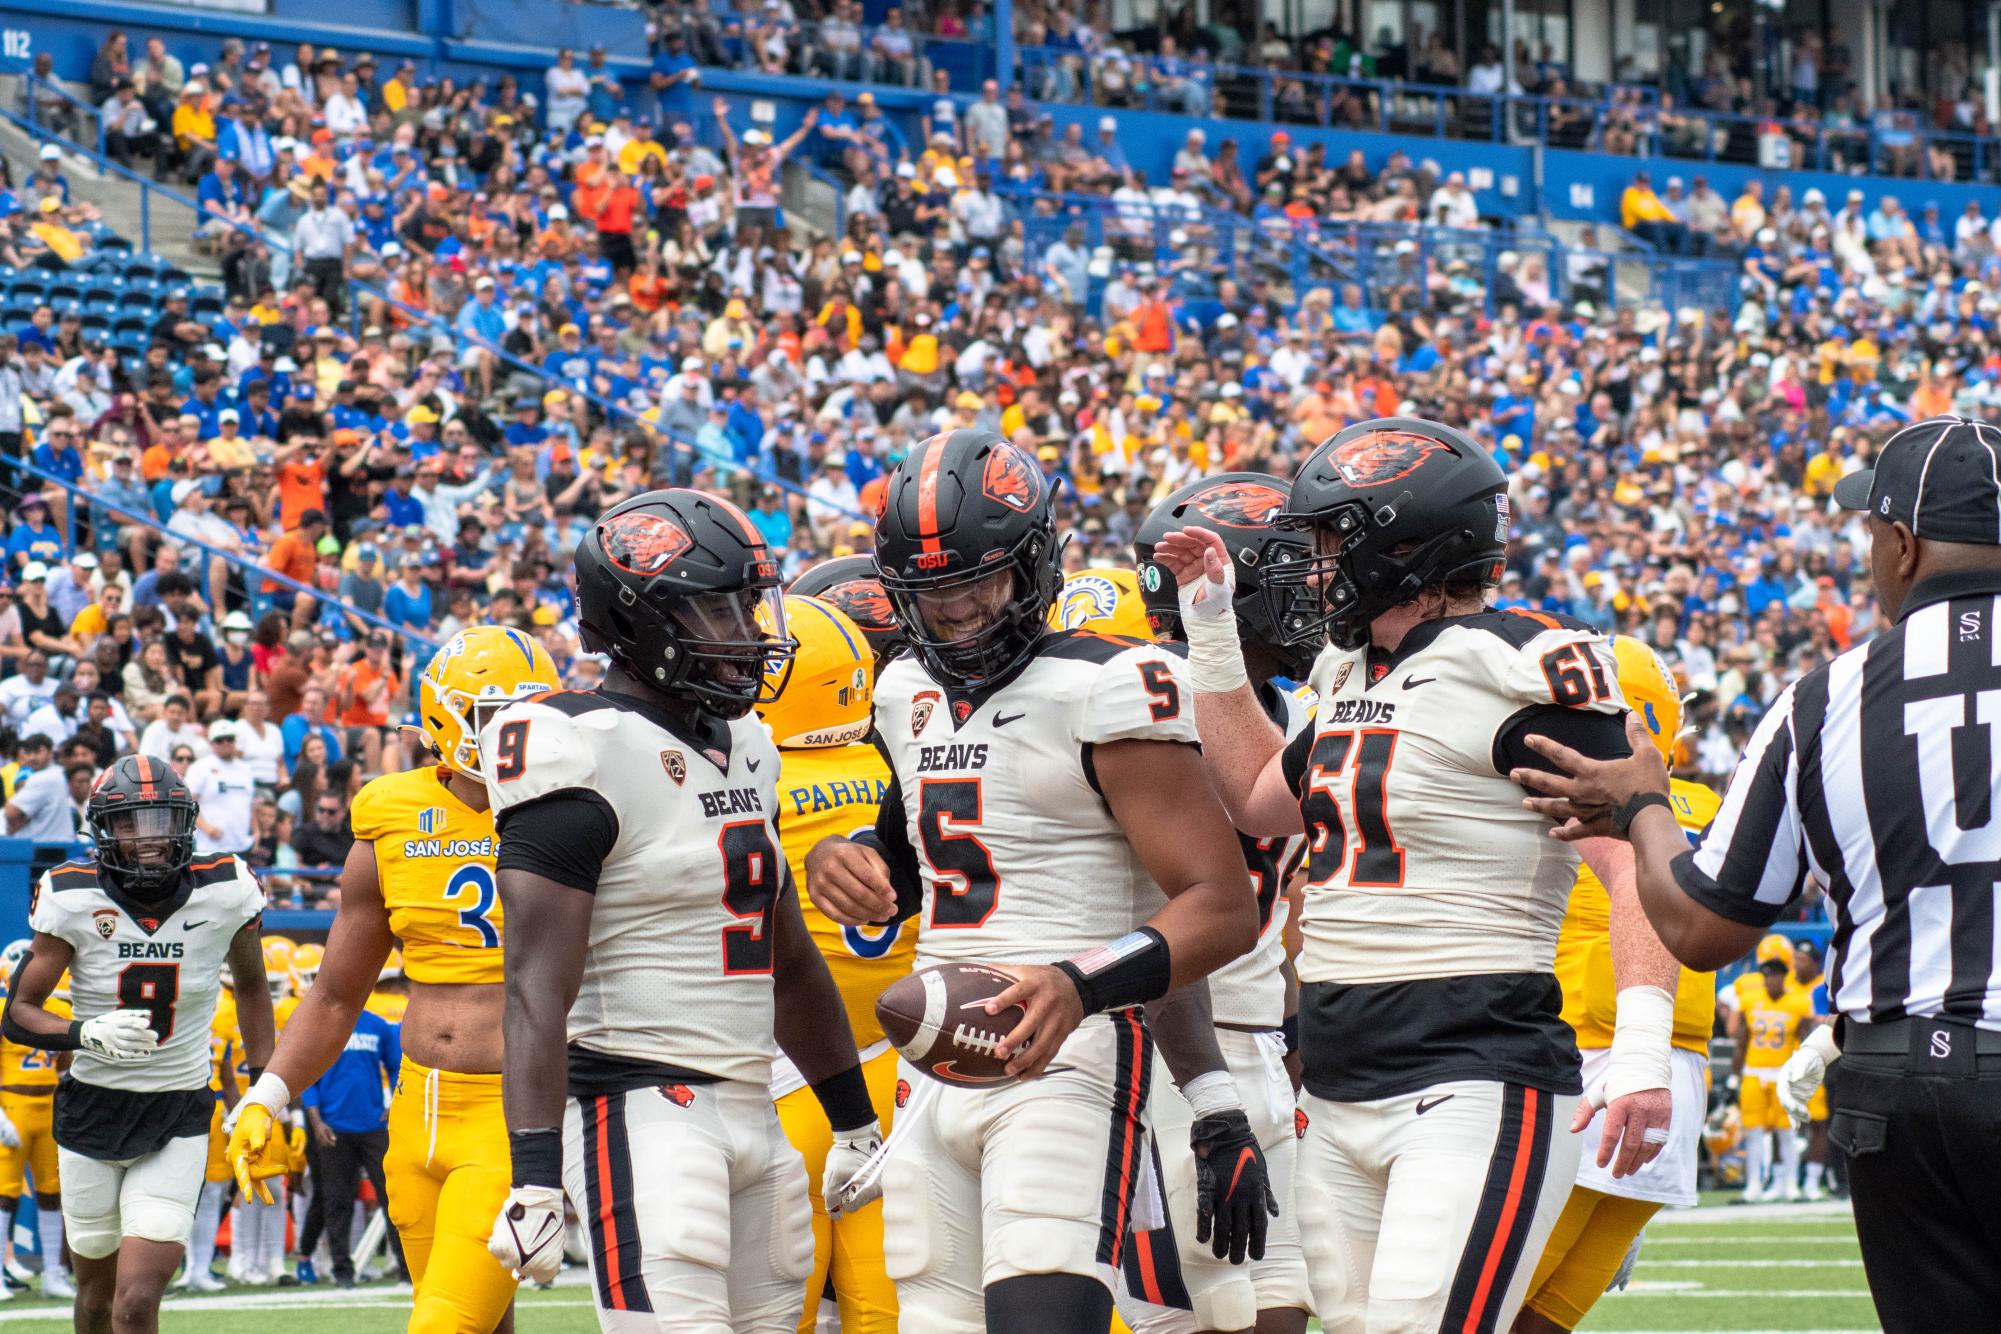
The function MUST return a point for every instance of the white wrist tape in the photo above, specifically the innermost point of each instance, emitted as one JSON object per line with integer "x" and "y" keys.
{"x": 1821, "y": 1043}
{"x": 1642, "y": 1037}
{"x": 269, "y": 1091}
{"x": 1215, "y": 655}
{"x": 1212, "y": 1093}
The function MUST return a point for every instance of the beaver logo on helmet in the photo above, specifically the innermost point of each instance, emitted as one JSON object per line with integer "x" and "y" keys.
{"x": 1011, "y": 478}
{"x": 1384, "y": 456}
{"x": 1241, "y": 504}
{"x": 864, "y": 601}
{"x": 643, "y": 543}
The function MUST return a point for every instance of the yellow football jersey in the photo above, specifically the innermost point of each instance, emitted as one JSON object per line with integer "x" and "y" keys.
{"x": 1772, "y": 1026}
{"x": 225, "y": 1047}
{"x": 1584, "y": 950}
{"x": 30, "y": 1071}
{"x": 434, "y": 856}
{"x": 836, "y": 790}
{"x": 388, "y": 1005}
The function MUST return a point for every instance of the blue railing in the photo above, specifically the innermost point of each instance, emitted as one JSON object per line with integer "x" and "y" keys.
{"x": 254, "y": 575}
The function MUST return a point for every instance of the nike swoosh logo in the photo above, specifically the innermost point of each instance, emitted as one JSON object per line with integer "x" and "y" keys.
{"x": 1244, "y": 1159}
{"x": 948, "y": 1070}
{"x": 1426, "y": 1104}
{"x": 1003, "y": 719}
{"x": 1410, "y": 681}
{"x": 752, "y": 765}
{"x": 189, "y": 926}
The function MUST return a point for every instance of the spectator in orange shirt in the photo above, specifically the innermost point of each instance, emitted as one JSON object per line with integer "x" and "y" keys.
{"x": 296, "y": 556}
{"x": 302, "y": 474}
{"x": 615, "y": 221}
{"x": 365, "y": 692}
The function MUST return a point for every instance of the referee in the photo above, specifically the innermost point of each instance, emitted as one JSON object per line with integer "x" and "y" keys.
{"x": 1879, "y": 775}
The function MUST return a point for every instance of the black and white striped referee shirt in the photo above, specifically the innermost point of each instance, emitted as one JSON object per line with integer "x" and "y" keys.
{"x": 1878, "y": 775}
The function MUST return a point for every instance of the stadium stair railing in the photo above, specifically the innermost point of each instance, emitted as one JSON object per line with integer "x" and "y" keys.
{"x": 12, "y": 487}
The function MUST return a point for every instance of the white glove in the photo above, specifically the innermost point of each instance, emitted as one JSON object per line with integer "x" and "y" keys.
{"x": 1801, "y": 1075}
{"x": 10, "y": 1138}
{"x": 269, "y": 1092}
{"x": 528, "y": 1234}
{"x": 847, "y": 1184}
{"x": 1209, "y": 619}
{"x": 122, "y": 1035}
{"x": 1632, "y": 1258}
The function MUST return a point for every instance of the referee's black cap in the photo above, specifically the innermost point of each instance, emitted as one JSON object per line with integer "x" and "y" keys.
{"x": 1940, "y": 477}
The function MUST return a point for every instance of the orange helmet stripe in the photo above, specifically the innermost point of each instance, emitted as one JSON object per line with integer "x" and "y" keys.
{"x": 927, "y": 498}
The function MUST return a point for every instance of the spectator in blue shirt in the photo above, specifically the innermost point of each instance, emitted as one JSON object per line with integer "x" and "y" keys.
{"x": 311, "y": 719}
{"x": 348, "y": 1110}
{"x": 771, "y": 519}
{"x": 33, "y": 538}
{"x": 206, "y": 406}
{"x": 674, "y": 77}
{"x": 57, "y": 453}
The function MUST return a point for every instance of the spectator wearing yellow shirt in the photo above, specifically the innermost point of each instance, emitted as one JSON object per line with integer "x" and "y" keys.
{"x": 639, "y": 148}
{"x": 49, "y": 229}
{"x": 396, "y": 94}
{"x": 1747, "y": 212}
{"x": 231, "y": 450}
{"x": 919, "y": 361}
{"x": 1642, "y": 213}
{"x": 95, "y": 618}
{"x": 194, "y": 129}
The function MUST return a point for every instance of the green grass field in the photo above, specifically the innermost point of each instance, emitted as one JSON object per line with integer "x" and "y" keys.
{"x": 1789, "y": 1269}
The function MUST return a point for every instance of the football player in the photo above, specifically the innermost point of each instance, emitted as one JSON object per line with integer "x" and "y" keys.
{"x": 1600, "y": 1225}
{"x": 831, "y": 781}
{"x": 1106, "y": 600}
{"x": 145, "y": 931}
{"x": 1439, "y": 1074}
{"x": 421, "y": 874}
{"x": 1171, "y": 1288}
{"x": 27, "y": 1110}
{"x": 1047, "y": 790}
{"x": 656, "y": 944}
{"x": 257, "y": 1218}
{"x": 851, "y": 584}
{"x": 1766, "y": 1025}
{"x": 1810, "y": 981}
{"x": 224, "y": 1047}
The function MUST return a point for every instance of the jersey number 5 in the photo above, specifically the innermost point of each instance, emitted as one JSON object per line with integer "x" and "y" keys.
{"x": 1365, "y": 757}
{"x": 153, "y": 987}
{"x": 750, "y": 892}
{"x": 969, "y": 888}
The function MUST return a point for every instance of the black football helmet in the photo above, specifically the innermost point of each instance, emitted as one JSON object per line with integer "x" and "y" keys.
{"x": 967, "y": 550}
{"x": 1392, "y": 505}
{"x": 1240, "y": 508}
{"x": 851, "y": 583}
{"x": 142, "y": 817}
{"x": 676, "y": 587}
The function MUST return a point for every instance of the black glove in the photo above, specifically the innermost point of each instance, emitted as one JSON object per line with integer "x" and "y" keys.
{"x": 1233, "y": 1195}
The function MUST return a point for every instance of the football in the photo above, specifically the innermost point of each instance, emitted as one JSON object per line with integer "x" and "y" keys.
{"x": 937, "y": 1019}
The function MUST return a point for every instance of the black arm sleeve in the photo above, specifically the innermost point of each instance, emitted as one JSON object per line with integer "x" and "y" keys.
{"x": 1293, "y": 759}
{"x": 563, "y": 837}
{"x": 1597, "y": 736}
{"x": 891, "y": 838}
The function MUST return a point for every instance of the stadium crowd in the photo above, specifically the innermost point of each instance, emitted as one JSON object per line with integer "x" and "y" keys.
{"x": 461, "y": 320}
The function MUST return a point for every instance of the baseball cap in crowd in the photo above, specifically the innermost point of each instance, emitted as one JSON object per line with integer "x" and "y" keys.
{"x": 35, "y": 572}
{"x": 1937, "y": 477}
{"x": 221, "y": 730}
{"x": 50, "y": 153}
{"x": 236, "y": 620}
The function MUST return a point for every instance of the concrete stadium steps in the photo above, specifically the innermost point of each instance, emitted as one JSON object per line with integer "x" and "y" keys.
{"x": 172, "y": 224}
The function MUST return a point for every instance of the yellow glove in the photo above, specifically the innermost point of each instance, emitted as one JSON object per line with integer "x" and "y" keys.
{"x": 256, "y": 1152}
{"x": 297, "y": 1150}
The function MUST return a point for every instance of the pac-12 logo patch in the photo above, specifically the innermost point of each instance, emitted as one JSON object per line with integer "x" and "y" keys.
{"x": 1384, "y": 456}
{"x": 106, "y": 922}
{"x": 1340, "y": 677}
{"x": 676, "y": 765}
{"x": 920, "y": 710}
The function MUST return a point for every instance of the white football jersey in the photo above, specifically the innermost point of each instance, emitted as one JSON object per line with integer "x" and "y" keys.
{"x": 679, "y": 965}
{"x": 129, "y": 958}
{"x": 1422, "y": 861}
{"x": 1250, "y": 989}
{"x": 1020, "y": 857}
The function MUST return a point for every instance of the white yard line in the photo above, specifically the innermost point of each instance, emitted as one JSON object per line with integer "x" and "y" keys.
{"x": 1646, "y": 1263}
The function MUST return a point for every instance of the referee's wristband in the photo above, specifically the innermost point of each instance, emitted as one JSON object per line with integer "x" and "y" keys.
{"x": 1629, "y": 810}
{"x": 538, "y": 1157}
